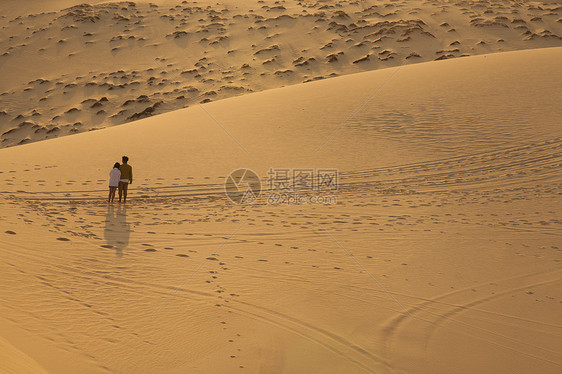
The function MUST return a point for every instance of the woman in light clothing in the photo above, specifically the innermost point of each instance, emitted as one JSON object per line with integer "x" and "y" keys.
{"x": 114, "y": 177}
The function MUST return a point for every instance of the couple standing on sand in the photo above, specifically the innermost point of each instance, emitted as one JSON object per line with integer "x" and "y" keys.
{"x": 119, "y": 178}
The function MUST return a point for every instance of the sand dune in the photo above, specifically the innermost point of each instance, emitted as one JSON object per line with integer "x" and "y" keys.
{"x": 55, "y": 59}
{"x": 442, "y": 254}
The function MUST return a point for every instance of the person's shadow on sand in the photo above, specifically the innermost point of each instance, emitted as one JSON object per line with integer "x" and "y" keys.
{"x": 117, "y": 230}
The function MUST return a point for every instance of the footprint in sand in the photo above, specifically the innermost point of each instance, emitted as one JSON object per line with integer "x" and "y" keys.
{"x": 10, "y": 232}
{"x": 63, "y": 239}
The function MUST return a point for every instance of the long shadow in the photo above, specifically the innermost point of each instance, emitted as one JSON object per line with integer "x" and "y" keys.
{"x": 117, "y": 230}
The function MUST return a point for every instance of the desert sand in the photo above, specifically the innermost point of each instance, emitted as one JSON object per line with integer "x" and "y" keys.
{"x": 441, "y": 255}
{"x": 71, "y": 68}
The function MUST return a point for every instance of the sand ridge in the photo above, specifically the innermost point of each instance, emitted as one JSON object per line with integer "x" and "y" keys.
{"x": 89, "y": 66}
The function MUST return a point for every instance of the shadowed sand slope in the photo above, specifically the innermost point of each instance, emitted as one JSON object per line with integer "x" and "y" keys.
{"x": 68, "y": 69}
{"x": 441, "y": 255}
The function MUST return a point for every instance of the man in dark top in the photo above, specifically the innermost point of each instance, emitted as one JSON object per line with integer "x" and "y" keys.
{"x": 126, "y": 178}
